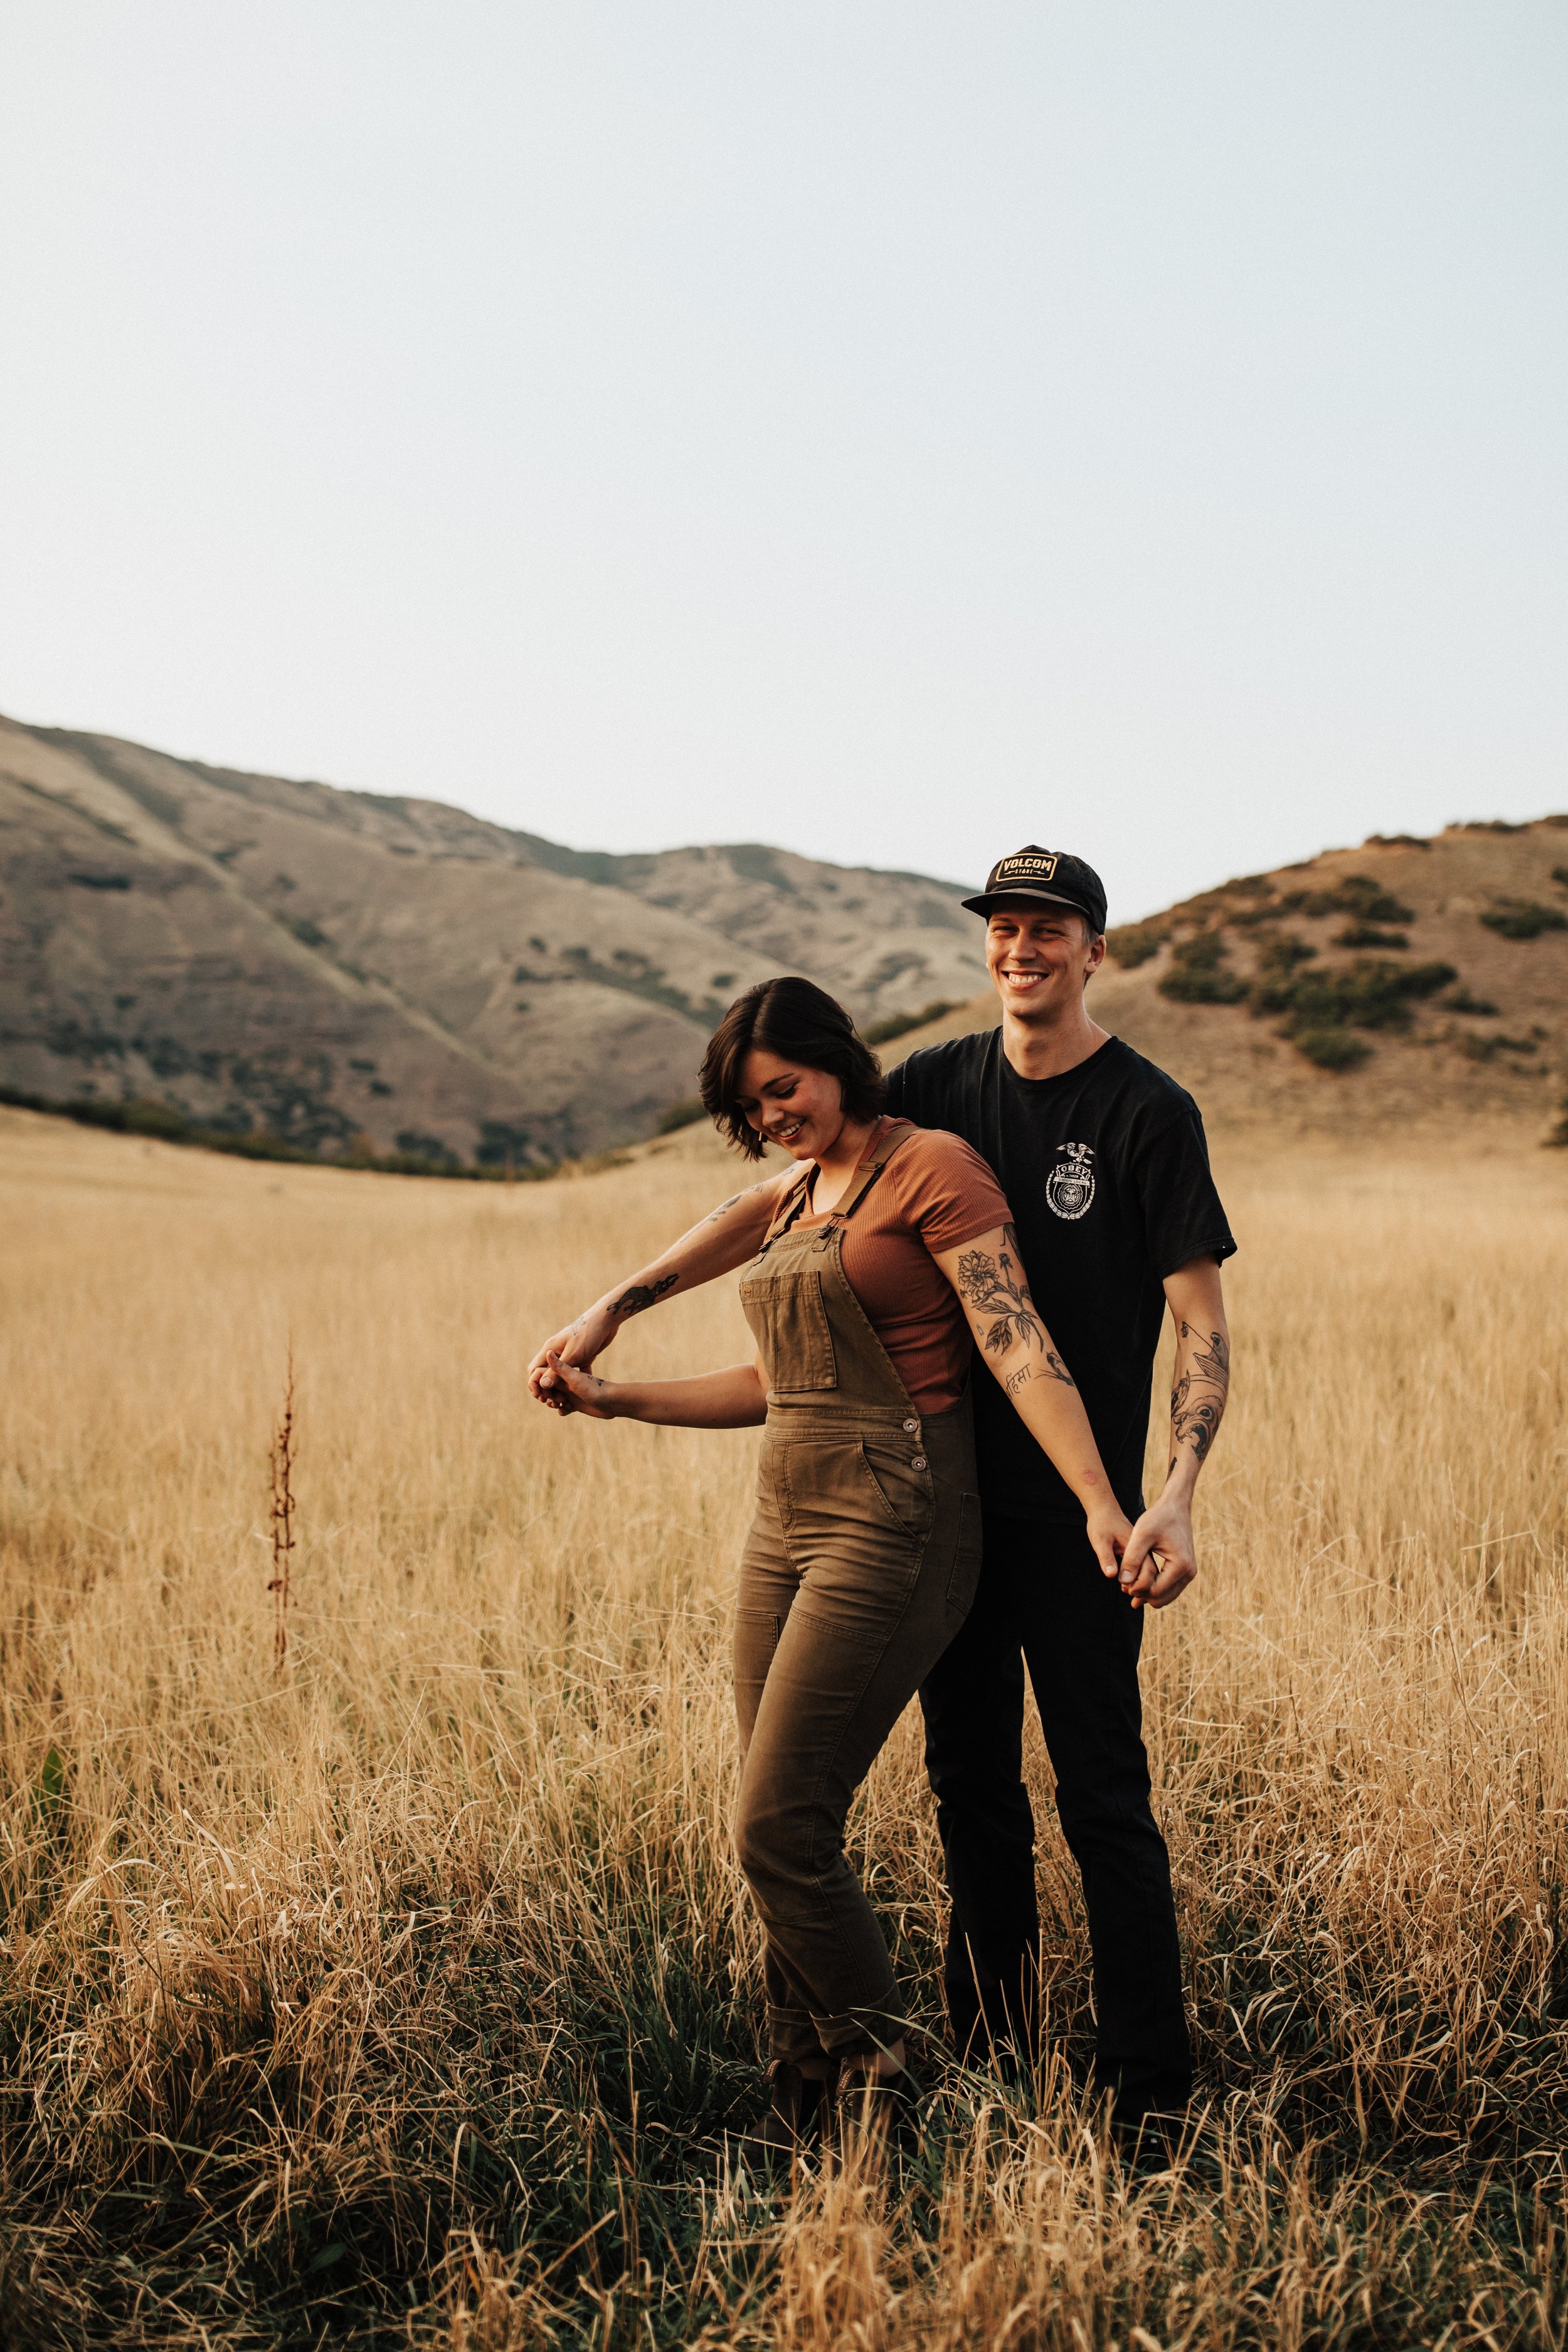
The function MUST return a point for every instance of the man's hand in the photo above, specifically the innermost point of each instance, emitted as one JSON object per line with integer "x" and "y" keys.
{"x": 1159, "y": 1562}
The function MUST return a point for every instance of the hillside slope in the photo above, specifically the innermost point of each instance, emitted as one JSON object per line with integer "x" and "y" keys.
{"x": 333, "y": 965}
{"x": 1428, "y": 979}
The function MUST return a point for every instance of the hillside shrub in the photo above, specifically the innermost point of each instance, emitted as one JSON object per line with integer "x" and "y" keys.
{"x": 1560, "y": 874}
{"x": 1461, "y": 1001}
{"x": 679, "y": 1115}
{"x": 163, "y": 1123}
{"x": 1197, "y": 975}
{"x": 1135, "y": 943}
{"x": 1360, "y": 896}
{"x": 1368, "y": 935}
{"x": 1523, "y": 919}
{"x": 898, "y": 1024}
{"x": 1330, "y": 1049}
{"x": 1487, "y": 1049}
{"x": 413, "y": 1143}
{"x": 1368, "y": 994}
{"x": 1278, "y": 957}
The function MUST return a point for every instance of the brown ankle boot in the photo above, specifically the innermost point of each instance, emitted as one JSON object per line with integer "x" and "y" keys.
{"x": 798, "y": 2104}
{"x": 879, "y": 2108}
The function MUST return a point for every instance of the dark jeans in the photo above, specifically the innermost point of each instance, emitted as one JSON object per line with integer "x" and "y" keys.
{"x": 1043, "y": 1599}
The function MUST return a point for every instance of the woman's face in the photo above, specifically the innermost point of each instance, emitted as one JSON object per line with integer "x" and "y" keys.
{"x": 800, "y": 1109}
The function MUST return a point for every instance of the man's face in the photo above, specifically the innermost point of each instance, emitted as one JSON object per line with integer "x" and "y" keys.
{"x": 1039, "y": 957}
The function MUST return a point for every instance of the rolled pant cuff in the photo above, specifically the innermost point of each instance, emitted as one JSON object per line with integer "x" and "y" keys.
{"x": 792, "y": 2036}
{"x": 861, "y": 2032}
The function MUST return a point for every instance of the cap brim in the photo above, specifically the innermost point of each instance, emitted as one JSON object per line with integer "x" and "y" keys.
{"x": 988, "y": 899}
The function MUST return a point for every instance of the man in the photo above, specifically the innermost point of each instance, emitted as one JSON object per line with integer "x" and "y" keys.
{"x": 1103, "y": 1161}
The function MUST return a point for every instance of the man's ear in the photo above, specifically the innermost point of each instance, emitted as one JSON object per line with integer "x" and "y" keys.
{"x": 1096, "y": 957}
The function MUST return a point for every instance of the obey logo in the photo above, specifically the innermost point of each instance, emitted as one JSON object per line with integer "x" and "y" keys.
{"x": 1070, "y": 1187}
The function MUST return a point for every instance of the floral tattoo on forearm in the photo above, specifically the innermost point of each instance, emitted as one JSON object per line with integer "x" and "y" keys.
{"x": 1198, "y": 1399}
{"x": 994, "y": 1286}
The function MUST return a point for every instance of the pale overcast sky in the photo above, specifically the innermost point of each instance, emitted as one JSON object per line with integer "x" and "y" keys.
{"x": 895, "y": 431}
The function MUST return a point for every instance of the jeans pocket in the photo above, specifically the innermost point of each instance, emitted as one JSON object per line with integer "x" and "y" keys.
{"x": 908, "y": 1496}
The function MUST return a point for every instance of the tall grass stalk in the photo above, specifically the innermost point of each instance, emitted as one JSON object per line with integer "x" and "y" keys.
{"x": 280, "y": 1468}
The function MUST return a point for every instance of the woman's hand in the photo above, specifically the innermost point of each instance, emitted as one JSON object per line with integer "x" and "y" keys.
{"x": 588, "y": 1392}
{"x": 734, "y": 1398}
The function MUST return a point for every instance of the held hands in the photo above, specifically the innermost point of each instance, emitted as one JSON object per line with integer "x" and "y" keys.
{"x": 1159, "y": 1562}
{"x": 576, "y": 1346}
{"x": 572, "y": 1390}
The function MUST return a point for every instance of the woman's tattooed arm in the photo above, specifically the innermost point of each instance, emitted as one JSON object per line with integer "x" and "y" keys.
{"x": 642, "y": 1295}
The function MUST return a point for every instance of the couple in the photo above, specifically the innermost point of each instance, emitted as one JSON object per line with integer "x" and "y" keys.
{"x": 914, "y": 1533}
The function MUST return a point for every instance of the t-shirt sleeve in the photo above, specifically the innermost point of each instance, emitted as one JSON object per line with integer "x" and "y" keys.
{"x": 893, "y": 1101}
{"x": 948, "y": 1192}
{"x": 1182, "y": 1215}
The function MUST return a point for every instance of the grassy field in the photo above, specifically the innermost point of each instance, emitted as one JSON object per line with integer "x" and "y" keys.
{"x": 407, "y": 1996}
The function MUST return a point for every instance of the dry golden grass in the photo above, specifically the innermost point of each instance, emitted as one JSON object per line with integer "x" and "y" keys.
{"x": 408, "y": 1997}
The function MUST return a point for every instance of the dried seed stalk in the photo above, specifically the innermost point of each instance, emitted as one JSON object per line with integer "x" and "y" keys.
{"x": 280, "y": 1463}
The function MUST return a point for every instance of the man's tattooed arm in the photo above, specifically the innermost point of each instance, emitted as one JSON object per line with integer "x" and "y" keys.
{"x": 1201, "y": 1386}
{"x": 642, "y": 1295}
{"x": 987, "y": 1273}
{"x": 992, "y": 1282}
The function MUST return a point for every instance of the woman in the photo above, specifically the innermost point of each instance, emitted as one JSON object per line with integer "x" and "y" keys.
{"x": 890, "y": 1246}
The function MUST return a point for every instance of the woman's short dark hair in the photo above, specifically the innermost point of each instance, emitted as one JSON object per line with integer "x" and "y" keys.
{"x": 800, "y": 1023}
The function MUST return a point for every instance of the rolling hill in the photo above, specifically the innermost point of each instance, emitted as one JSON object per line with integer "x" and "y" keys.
{"x": 339, "y": 968}
{"x": 349, "y": 971}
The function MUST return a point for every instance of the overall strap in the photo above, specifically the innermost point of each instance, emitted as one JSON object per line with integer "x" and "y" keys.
{"x": 841, "y": 1214}
{"x": 785, "y": 1216}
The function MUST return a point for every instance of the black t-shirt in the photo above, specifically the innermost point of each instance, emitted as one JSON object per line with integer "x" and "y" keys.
{"x": 1106, "y": 1173}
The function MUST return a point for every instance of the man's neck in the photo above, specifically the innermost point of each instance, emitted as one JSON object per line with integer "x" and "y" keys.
{"x": 1041, "y": 1049}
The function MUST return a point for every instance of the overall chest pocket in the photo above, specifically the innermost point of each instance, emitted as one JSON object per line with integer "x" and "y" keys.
{"x": 789, "y": 1315}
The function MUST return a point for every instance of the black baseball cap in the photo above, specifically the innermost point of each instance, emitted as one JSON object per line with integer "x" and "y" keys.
{"x": 1037, "y": 873}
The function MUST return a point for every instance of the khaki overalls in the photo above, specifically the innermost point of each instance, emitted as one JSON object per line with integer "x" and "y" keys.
{"x": 860, "y": 1568}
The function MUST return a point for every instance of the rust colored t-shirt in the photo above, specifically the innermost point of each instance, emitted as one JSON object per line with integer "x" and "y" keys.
{"x": 935, "y": 1193}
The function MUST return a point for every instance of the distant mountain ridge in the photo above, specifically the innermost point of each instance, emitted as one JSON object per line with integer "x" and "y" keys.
{"x": 347, "y": 969}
